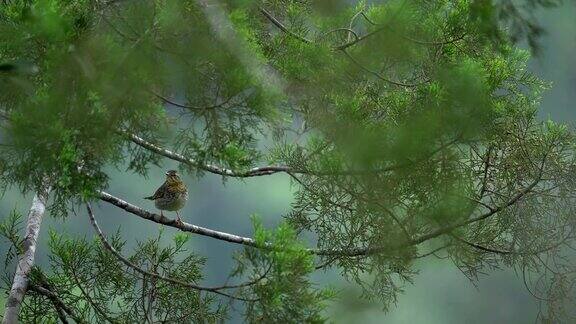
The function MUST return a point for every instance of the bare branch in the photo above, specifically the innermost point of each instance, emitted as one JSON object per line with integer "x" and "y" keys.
{"x": 360, "y": 251}
{"x": 186, "y": 227}
{"x": 26, "y": 260}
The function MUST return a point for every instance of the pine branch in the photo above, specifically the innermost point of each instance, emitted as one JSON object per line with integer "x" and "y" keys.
{"x": 89, "y": 299}
{"x": 348, "y": 252}
{"x": 270, "y": 169}
{"x": 357, "y": 39}
{"x": 131, "y": 265}
{"x": 254, "y": 172}
{"x": 224, "y": 30}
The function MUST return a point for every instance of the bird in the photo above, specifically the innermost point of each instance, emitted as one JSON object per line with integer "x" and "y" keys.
{"x": 171, "y": 195}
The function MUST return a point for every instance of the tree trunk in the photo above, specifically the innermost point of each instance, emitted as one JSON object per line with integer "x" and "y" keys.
{"x": 26, "y": 260}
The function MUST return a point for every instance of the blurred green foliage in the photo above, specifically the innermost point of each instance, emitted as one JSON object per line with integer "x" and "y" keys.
{"x": 401, "y": 122}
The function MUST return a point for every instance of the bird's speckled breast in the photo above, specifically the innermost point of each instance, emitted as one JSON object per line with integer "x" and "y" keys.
{"x": 174, "y": 203}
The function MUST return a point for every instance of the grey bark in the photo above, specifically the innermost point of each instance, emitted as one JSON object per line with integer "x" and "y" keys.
{"x": 26, "y": 259}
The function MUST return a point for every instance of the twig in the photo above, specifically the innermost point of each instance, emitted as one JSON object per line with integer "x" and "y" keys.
{"x": 432, "y": 251}
{"x": 379, "y": 76}
{"x": 480, "y": 247}
{"x": 176, "y": 104}
{"x": 282, "y": 27}
{"x": 248, "y": 283}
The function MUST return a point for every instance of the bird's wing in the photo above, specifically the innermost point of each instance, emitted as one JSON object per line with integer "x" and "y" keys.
{"x": 160, "y": 192}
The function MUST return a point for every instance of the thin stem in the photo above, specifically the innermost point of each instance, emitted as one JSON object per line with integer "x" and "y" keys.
{"x": 282, "y": 27}
{"x": 176, "y": 104}
{"x": 248, "y": 283}
{"x": 57, "y": 302}
{"x": 432, "y": 251}
{"x": 379, "y": 76}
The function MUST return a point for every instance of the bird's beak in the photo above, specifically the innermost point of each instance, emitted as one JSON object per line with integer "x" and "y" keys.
{"x": 166, "y": 173}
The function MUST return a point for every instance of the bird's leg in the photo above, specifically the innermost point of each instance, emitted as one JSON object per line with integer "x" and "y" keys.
{"x": 178, "y": 220}
{"x": 161, "y": 213}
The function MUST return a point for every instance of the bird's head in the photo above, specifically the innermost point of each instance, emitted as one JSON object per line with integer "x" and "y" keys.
{"x": 172, "y": 175}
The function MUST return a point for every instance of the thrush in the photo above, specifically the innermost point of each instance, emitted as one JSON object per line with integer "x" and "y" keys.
{"x": 171, "y": 195}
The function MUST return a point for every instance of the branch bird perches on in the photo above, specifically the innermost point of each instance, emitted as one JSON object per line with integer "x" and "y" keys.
{"x": 351, "y": 252}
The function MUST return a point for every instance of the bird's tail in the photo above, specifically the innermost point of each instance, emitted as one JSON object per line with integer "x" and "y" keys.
{"x": 149, "y": 198}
